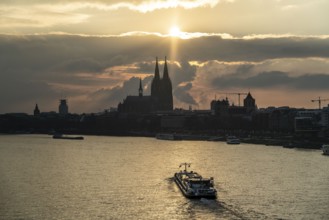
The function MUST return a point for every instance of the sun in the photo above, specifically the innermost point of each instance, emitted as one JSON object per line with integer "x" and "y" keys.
{"x": 175, "y": 31}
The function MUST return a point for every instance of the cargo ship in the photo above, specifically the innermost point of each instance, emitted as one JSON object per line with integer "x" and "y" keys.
{"x": 193, "y": 185}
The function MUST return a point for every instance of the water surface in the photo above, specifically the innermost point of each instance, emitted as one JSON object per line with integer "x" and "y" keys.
{"x": 131, "y": 178}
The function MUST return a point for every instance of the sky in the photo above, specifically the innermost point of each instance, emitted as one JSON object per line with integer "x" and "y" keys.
{"x": 93, "y": 53}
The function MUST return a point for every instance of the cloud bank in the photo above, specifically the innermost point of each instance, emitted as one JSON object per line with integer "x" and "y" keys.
{"x": 96, "y": 73}
{"x": 41, "y": 14}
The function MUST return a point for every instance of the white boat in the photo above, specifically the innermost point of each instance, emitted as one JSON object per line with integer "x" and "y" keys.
{"x": 61, "y": 136}
{"x": 232, "y": 140}
{"x": 325, "y": 149}
{"x": 194, "y": 185}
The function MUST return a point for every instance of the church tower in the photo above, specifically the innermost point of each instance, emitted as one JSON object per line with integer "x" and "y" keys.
{"x": 166, "y": 90}
{"x": 36, "y": 111}
{"x": 161, "y": 98}
{"x": 161, "y": 89}
{"x": 155, "y": 86}
{"x": 249, "y": 103}
{"x": 140, "y": 90}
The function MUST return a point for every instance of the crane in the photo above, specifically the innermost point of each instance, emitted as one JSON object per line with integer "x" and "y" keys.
{"x": 235, "y": 93}
{"x": 319, "y": 100}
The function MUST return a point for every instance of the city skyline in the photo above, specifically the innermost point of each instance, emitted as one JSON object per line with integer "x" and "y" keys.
{"x": 93, "y": 53}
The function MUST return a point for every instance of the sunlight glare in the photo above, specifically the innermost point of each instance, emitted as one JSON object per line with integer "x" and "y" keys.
{"x": 175, "y": 31}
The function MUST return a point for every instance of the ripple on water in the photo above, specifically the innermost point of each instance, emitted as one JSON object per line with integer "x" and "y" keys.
{"x": 131, "y": 178}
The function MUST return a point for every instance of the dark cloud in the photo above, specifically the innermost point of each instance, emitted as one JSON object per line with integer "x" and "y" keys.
{"x": 105, "y": 98}
{"x": 25, "y": 90}
{"x": 181, "y": 93}
{"x": 145, "y": 67}
{"x": 274, "y": 79}
{"x": 80, "y": 65}
{"x": 35, "y": 62}
{"x": 183, "y": 73}
{"x": 19, "y": 95}
{"x": 256, "y": 49}
{"x": 244, "y": 68}
{"x": 312, "y": 82}
{"x": 118, "y": 93}
{"x": 47, "y": 51}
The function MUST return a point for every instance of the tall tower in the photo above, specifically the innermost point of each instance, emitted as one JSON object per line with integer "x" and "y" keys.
{"x": 63, "y": 108}
{"x": 249, "y": 103}
{"x": 36, "y": 111}
{"x": 155, "y": 86}
{"x": 166, "y": 90}
{"x": 161, "y": 89}
{"x": 140, "y": 90}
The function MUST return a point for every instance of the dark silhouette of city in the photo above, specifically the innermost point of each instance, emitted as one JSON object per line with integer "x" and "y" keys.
{"x": 143, "y": 115}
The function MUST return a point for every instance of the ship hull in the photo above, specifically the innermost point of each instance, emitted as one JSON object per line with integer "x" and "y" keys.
{"x": 191, "y": 195}
{"x": 325, "y": 149}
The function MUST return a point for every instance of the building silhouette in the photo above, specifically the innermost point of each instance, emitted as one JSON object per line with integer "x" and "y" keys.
{"x": 161, "y": 89}
{"x": 63, "y": 108}
{"x": 223, "y": 107}
{"x": 161, "y": 98}
{"x": 36, "y": 111}
{"x": 249, "y": 103}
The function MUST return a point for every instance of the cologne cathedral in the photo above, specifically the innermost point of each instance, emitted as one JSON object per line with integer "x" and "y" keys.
{"x": 161, "y": 98}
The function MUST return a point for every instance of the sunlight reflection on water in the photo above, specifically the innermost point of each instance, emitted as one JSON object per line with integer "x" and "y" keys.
{"x": 131, "y": 178}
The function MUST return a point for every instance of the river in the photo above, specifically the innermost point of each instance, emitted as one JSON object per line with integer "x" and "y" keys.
{"x": 131, "y": 178}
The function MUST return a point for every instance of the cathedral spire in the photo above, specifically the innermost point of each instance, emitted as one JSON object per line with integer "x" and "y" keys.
{"x": 165, "y": 70}
{"x": 140, "y": 90}
{"x": 155, "y": 86}
{"x": 156, "y": 72}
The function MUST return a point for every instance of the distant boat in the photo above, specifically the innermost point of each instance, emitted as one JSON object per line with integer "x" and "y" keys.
{"x": 325, "y": 149}
{"x": 288, "y": 145}
{"x": 61, "y": 136}
{"x": 167, "y": 136}
{"x": 216, "y": 138}
{"x": 232, "y": 140}
{"x": 194, "y": 185}
{"x": 175, "y": 137}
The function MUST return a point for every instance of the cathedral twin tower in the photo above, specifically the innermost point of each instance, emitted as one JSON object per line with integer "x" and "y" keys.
{"x": 161, "y": 98}
{"x": 161, "y": 89}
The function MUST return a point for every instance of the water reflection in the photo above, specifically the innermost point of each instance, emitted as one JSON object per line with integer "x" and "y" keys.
{"x": 132, "y": 178}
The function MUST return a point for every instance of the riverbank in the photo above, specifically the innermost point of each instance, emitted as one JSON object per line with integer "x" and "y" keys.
{"x": 287, "y": 141}
{"x": 278, "y": 140}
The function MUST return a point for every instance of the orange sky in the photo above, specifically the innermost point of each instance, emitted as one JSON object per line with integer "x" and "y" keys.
{"x": 94, "y": 52}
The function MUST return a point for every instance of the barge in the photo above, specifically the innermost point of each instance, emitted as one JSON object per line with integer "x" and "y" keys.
{"x": 193, "y": 185}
